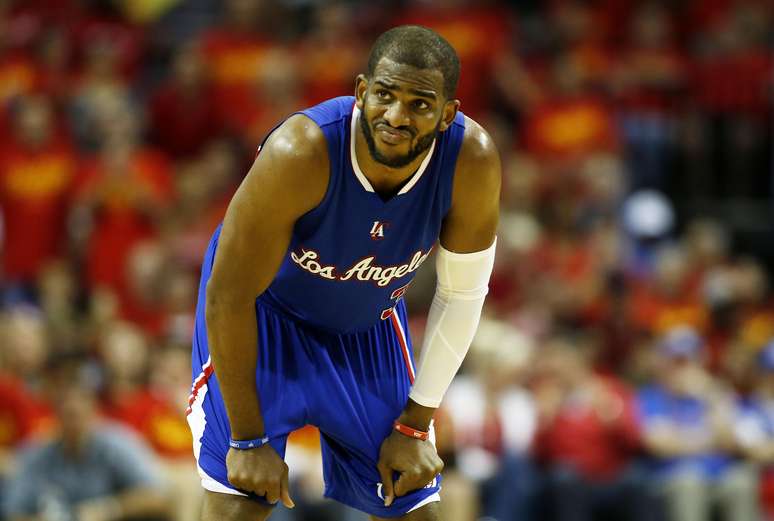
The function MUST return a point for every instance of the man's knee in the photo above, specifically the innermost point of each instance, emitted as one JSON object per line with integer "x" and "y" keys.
{"x": 429, "y": 512}
{"x": 218, "y": 507}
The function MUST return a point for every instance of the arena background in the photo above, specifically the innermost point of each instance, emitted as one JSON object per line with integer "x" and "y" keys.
{"x": 623, "y": 368}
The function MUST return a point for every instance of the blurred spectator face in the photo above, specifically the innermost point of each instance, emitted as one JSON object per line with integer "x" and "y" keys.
{"x": 243, "y": 14}
{"x": 520, "y": 184}
{"x": 500, "y": 354}
{"x": 146, "y": 269}
{"x": 602, "y": 176}
{"x": 57, "y": 284}
{"x": 192, "y": 186}
{"x": 748, "y": 25}
{"x": 671, "y": 270}
{"x": 72, "y": 389}
{"x": 179, "y": 296}
{"x": 180, "y": 291}
{"x": 333, "y": 19}
{"x": 188, "y": 69}
{"x": 751, "y": 284}
{"x": 124, "y": 350}
{"x": 25, "y": 344}
{"x": 76, "y": 411}
{"x": 54, "y": 49}
{"x": 103, "y": 306}
{"x": 102, "y": 59}
{"x": 680, "y": 349}
{"x": 651, "y": 26}
{"x": 568, "y": 76}
{"x": 119, "y": 122}
{"x": 220, "y": 163}
{"x": 568, "y": 362}
{"x": 34, "y": 121}
{"x": 280, "y": 80}
{"x": 573, "y": 22}
{"x": 171, "y": 372}
{"x": 707, "y": 242}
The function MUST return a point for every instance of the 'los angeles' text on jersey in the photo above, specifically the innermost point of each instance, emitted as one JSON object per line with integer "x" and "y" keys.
{"x": 363, "y": 270}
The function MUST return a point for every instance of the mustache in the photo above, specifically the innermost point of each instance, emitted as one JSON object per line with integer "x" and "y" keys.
{"x": 383, "y": 124}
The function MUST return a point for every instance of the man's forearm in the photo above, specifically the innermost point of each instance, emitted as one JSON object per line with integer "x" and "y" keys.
{"x": 233, "y": 340}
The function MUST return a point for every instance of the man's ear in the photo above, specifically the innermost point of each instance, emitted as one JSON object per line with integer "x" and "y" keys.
{"x": 361, "y": 86}
{"x": 450, "y": 110}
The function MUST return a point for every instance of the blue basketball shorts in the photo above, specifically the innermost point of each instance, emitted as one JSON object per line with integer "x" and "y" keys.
{"x": 350, "y": 386}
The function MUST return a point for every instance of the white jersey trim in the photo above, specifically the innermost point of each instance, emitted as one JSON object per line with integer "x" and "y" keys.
{"x": 429, "y": 499}
{"x": 359, "y": 173}
{"x": 197, "y": 421}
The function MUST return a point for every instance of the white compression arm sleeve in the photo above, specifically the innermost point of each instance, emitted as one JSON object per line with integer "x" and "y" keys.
{"x": 463, "y": 282}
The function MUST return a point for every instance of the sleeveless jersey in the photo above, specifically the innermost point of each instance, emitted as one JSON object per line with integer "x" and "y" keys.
{"x": 351, "y": 258}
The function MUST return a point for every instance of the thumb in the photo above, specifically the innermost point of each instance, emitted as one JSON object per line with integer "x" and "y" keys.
{"x": 386, "y": 474}
{"x": 285, "y": 491}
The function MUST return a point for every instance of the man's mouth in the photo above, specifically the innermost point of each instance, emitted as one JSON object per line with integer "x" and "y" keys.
{"x": 392, "y": 136}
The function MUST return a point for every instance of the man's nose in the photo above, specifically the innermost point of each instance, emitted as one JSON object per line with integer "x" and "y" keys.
{"x": 396, "y": 115}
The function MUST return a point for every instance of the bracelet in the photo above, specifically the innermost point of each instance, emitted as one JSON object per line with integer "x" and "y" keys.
{"x": 411, "y": 432}
{"x": 248, "y": 444}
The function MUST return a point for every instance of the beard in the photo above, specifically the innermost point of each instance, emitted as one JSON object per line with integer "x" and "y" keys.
{"x": 421, "y": 145}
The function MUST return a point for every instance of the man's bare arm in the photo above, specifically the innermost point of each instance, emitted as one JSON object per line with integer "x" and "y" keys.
{"x": 288, "y": 178}
{"x": 471, "y": 223}
{"x": 464, "y": 264}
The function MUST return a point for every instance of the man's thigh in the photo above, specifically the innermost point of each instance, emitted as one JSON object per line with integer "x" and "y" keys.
{"x": 228, "y": 507}
{"x": 431, "y": 512}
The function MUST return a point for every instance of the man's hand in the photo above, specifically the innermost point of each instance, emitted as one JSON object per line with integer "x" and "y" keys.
{"x": 261, "y": 471}
{"x": 416, "y": 461}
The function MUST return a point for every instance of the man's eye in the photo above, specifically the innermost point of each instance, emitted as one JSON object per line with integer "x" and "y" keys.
{"x": 421, "y": 105}
{"x": 382, "y": 94}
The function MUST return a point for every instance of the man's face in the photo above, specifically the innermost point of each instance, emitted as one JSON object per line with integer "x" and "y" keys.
{"x": 402, "y": 110}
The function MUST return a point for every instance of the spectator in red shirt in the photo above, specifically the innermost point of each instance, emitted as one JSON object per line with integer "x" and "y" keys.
{"x": 183, "y": 112}
{"x": 587, "y": 437}
{"x": 98, "y": 88}
{"x": 236, "y": 50}
{"x": 37, "y": 169}
{"x": 332, "y": 52}
{"x": 731, "y": 83}
{"x": 649, "y": 74}
{"x": 23, "y": 410}
{"x": 670, "y": 297}
{"x": 274, "y": 95}
{"x": 571, "y": 123}
{"x": 125, "y": 189}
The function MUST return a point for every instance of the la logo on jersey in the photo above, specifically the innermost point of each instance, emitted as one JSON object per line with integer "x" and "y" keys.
{"x": 377, "y": 230}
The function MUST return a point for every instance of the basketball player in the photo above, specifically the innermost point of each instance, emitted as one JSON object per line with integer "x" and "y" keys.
{"x": 300, "y": 318}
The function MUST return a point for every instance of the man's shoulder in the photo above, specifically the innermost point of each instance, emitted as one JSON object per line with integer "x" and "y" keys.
{"x": 477, "y": 144}
{"x": 299, "y": 138}
{"x": 478, "y": 162}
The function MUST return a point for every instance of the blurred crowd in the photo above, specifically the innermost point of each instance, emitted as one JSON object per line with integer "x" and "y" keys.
{"x": 624, "y": 368}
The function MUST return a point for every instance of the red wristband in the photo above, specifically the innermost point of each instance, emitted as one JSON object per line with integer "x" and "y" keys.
{"x": 411, "y": 432}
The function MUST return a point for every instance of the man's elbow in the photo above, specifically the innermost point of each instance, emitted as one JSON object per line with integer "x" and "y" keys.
{"x": 226, "y": 299}
{"x": 218, "y": 300}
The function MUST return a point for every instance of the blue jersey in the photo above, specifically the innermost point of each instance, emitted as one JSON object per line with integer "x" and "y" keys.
{"x": 351, "y": 258}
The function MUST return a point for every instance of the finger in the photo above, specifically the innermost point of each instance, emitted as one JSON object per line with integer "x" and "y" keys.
{"x": 272, "y": 493}
{"x": 407, "y": 482}
{"x": 285, "y": 491}
{"x": 387, "y": 488}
